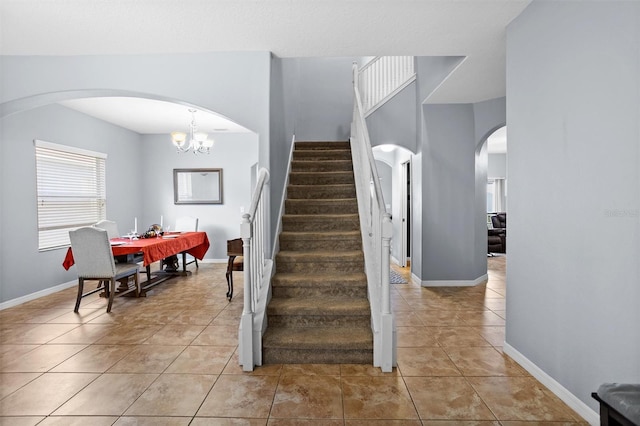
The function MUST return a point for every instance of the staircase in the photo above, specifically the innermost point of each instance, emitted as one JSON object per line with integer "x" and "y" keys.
{"x": 319, "y": 311}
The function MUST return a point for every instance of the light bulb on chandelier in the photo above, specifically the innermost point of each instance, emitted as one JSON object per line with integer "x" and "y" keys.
{"x": 198, "y": 142}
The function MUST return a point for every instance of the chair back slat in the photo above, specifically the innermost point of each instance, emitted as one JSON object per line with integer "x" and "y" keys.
{"x": 92, "y": 253}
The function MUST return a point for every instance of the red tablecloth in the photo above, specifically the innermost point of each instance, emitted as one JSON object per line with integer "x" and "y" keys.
{"x": 154, "y": 249}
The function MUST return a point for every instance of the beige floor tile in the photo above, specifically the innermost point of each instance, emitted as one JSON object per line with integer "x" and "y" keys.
{"x": 214, "y": 335}
{"x": 310, "y": 397}
{"x": 459, "y": 337}
{"x": 425, "y": 362}
{"x": 386, "y": 422}
{"x": 41, "y": 359}
{"x": 365, "y": 370}
{"x": 407, "y": 319}
{"x": 94, "y": 359}
{"x": 129, "y": 334}
{"x": 10, "y": 352}
{"x": 44, "y": 394}
{"x": 311, "y": 370}
{"x": 11, "y": 382}
{"x": 108, "y": 395}
{"x": 305, "y": 422}
{"x": 484, "y": 361}
{"x": 84, "y": 334}
{"x": 173, "y": 395}
{"x": 416, "y": 337}
{"x": 201, "y": 360}
{"x": 447, "y": 398}
{"x": 196, "y": 317}
{"x": 520, "y": 398}
{"x": 147, "y": 359}
{"x": 481, "y": 318}
{"x": 83, "y": 316}
{"x": 40, "y": 334}
{"x": 79, "y": 421}
{"x": 492, "y": 334}
{"x": 217, "y": 421}
{"x": 240, "y": 396}
{"x": 523, "y": 423}
{"x": 377, "y": 398}
{"x": 20, "y": 421}
{"x": 153, "y": 421}
{"x": 460, "y": 423}
{"x": 175, "y": 334}
{"x": 234, "y": 367}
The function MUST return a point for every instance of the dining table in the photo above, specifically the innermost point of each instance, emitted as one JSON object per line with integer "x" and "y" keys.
{"x": 154, "y": 249}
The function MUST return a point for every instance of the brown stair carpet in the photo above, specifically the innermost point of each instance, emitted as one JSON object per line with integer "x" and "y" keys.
{"x": 319, "y": 311}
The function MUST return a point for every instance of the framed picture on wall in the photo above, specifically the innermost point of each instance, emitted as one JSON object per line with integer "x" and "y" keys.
{"x": 197, "y": 186}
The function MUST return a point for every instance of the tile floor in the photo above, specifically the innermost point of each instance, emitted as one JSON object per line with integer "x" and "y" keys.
{"x": 171, "y": 359}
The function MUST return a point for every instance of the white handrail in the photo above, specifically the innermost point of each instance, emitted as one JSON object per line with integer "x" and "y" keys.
{"x": 376, "y": 236}
{"x": 383, "y": 77}
{"x": 254, "y": 229}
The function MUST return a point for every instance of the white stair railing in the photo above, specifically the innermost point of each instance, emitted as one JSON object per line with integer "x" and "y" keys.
{"x": 376, "y": 236}
{"x": 383, "y": 77}
{"x": 256, "y": 273}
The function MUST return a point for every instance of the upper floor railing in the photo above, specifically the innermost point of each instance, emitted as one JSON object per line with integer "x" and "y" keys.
{"x": 383, "y": 77}
{"x": 376, "y": 236}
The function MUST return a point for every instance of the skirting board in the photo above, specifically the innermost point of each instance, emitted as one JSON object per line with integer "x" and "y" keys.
{"x": 38, "y": 294}
{"x": 454, "y": 283}
{"x": 560, "y": 391}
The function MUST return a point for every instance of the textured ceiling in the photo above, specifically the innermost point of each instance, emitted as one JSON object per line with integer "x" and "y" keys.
{"x": 288, "y": 28}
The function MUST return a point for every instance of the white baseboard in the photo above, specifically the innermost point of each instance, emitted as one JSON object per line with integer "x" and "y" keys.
{"x": 38, "y": 294}
{"x": 213, "y": 260}
{"x": 415, "y": 279}
{"x": 560, "y": 391}
{"x": 454, "y": 283}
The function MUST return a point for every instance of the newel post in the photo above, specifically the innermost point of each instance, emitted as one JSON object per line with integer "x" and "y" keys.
{"x": 246, "y": 322}
{"x": 387, "y": 336}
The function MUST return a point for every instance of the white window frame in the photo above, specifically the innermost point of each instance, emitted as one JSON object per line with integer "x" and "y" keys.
{"x": 70, "y": 189}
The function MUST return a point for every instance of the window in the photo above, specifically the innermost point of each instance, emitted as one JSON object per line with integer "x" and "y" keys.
{"x": 70, "y": 189}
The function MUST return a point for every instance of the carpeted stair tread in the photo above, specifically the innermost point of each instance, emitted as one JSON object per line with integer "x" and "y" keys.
{"x": 325, "y": 165}
{"x": 320, "y": 145}
{"x": 327, "y": 235}
{"x": 321, "y": 206}
{"x": 321, "y": 178}
{"x": 328, "y": 306}
{"x": 319, "y": 338}
{"x": 328, "y": 279}
{"x": 320, "y": 256}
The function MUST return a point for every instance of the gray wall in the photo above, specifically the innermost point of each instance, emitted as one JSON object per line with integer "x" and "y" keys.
{"x": 323, "y": 93}
{"x": 573, "y": 104}
{"x": 24, "y": 269}
{"x": 395, "y": 121}
{"x": 448, "y": 195}
{"x": 497, "y": 167}
{"x": 234, "y": 153}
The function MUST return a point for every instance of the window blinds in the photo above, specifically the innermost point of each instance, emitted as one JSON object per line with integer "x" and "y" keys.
{"x": 70, "y": 189}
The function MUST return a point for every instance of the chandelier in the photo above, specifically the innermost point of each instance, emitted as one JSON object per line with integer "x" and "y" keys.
{"x": 198, "y": 141}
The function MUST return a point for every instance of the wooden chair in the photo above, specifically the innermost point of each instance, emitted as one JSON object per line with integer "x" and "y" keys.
{"x": 94, "y": 261}
{"x": 235, "y": 263}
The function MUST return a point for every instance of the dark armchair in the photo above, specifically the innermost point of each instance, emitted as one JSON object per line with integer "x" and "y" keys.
{"x": 497, "y": 235}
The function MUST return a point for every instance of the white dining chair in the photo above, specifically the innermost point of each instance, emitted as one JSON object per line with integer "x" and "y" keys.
{"x": 187, "y": 224}
{"x": 94, "y": 262}
{"x": 110, "y": 226}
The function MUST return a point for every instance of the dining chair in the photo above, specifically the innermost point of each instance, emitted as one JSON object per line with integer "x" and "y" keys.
{"x": 187, "y": 224}
{"x": 110, "y": 226}
{"x": 94, "y": 262}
